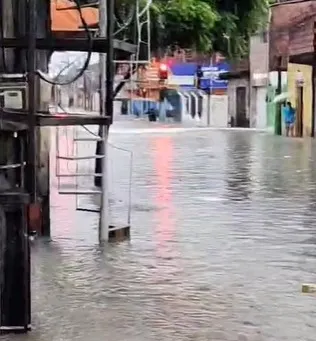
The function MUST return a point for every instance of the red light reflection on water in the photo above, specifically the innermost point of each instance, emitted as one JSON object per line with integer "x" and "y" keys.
{"x": 63, "y": 206}
{"x": 163, "y": 157}
{"x": 168, "y": 261}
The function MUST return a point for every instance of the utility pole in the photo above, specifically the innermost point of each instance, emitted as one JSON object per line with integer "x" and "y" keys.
{"x": 278, "y": 114}
{"x": 209, "y": 98}
{"x": 104, "y": 207}
{"x": 106, "y": 27}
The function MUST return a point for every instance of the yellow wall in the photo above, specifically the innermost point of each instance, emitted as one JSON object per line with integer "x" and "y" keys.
{"x": 306, "y": 70}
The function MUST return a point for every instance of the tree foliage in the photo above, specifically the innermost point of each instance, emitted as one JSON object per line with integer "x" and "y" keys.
{"x": 206, "y": 25}
{"x": 186, "y": 23}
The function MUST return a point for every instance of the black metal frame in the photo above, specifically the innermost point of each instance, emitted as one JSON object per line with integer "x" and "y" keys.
{"x": 99, "y": 44}
{"x": 32, "y": 118}
{"x": 19, "y": 313}
{"x": 48, "y": 119}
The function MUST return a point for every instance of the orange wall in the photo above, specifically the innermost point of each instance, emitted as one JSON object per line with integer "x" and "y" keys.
{"x": 69, "y": 20}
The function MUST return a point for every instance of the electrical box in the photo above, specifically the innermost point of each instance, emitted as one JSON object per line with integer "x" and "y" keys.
{"x": 12, "y": 99}
{"x": 13, "y": 91}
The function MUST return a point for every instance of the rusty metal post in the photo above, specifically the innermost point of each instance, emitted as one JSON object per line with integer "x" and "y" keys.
{"x": 110, "y": 60}
{"x": 278, "y": 114}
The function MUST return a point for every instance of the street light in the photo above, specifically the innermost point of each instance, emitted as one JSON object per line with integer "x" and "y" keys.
{"x": 227, "y": 37}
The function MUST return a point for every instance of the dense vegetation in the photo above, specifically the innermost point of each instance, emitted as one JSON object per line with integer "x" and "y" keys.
{"x": 218, "y": 25}
{"x": 205, "y": 25}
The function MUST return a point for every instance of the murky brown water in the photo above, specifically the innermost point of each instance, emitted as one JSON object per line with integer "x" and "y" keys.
{"x": 223, "y": 236}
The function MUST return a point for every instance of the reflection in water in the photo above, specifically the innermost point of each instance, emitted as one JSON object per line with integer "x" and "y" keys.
{"x": 194, "y": 269}
{"x": 66, "y": 204}
{"x": 163, "y": 155}
{"x": 165, "y": 215}
{"x": 239, "y": 165}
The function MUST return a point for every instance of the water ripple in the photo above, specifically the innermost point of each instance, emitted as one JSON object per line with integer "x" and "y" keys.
{"x": 222, "y": 237}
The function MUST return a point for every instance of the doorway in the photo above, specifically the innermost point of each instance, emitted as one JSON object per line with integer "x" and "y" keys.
{"x": 241, "y": 105}
{"x": 299, "y": 112}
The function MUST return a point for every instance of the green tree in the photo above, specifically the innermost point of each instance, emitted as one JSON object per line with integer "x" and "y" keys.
{"x": 204, "y": 25}
{"x": 207, "y": 25}
{"x": 237, "y": 22}
{"x": 187, "y": 23}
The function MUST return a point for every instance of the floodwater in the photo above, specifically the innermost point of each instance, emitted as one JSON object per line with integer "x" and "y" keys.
{"x": 223, "y": 235}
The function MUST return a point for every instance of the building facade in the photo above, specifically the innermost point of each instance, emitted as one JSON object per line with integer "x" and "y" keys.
{"x": 238, "y": 100}
{"x": 248, "y": 82}
{"x": 259, "y": 79}
{"x": 292, "y": 47}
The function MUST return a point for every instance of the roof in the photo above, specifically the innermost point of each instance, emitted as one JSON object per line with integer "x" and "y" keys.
{"x": 234, "y": 75}
{"x": 68, "y": 20}
{"x": 301, "y": 41}
{"x": 291, "y": 29}
{"x": 282, "y": 2}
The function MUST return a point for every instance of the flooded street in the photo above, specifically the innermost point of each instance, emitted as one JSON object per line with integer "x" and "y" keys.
{"x": 223, "y": 235}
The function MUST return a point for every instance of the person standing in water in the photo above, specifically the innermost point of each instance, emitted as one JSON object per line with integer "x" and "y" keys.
{"x": 289, "y": 119}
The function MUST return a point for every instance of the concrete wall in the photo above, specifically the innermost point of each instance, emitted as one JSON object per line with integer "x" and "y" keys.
{"x": 259, "y": 77}
{"x": 259, "y": 53}
{"x": 231, "y": 93}
{"x": 271, "y": 93}
{"x": 306, "y": 70}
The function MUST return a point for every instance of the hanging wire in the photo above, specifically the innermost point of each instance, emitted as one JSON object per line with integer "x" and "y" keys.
{"x": 137, "y": 40}
{"x": 88, "y": 58}
{"x": 127, "y": 19}
{"x": 130, "y": 176}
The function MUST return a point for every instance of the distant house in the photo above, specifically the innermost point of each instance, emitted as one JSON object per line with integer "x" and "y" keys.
{"x": 247, "y": 87}
{"x": 292, "y": 39}
{"x": 238, "y": 93}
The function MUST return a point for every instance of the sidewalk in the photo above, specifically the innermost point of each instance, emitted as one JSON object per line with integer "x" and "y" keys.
{"x": 142, "y": 124}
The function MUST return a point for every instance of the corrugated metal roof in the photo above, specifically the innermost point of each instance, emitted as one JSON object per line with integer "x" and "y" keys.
{"x": 291, "y": 29}
{"x": 301, "y": 40}
{"x": 282, "y": 2}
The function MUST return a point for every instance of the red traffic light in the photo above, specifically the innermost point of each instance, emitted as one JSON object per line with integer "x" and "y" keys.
{"x": 163, "y": 71}
{"x": 163, "y": 67}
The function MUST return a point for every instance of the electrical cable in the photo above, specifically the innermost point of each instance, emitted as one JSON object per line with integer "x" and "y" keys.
{"x": 118, "y": 15}
{"x": 84, "y": 127}
{"x": 125, "y": 24}
{"x": 139, "y": 13}
{"x": 121, "y": 25}
{"x": 87, "y": 61}
{"x": 120, "y": 22}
